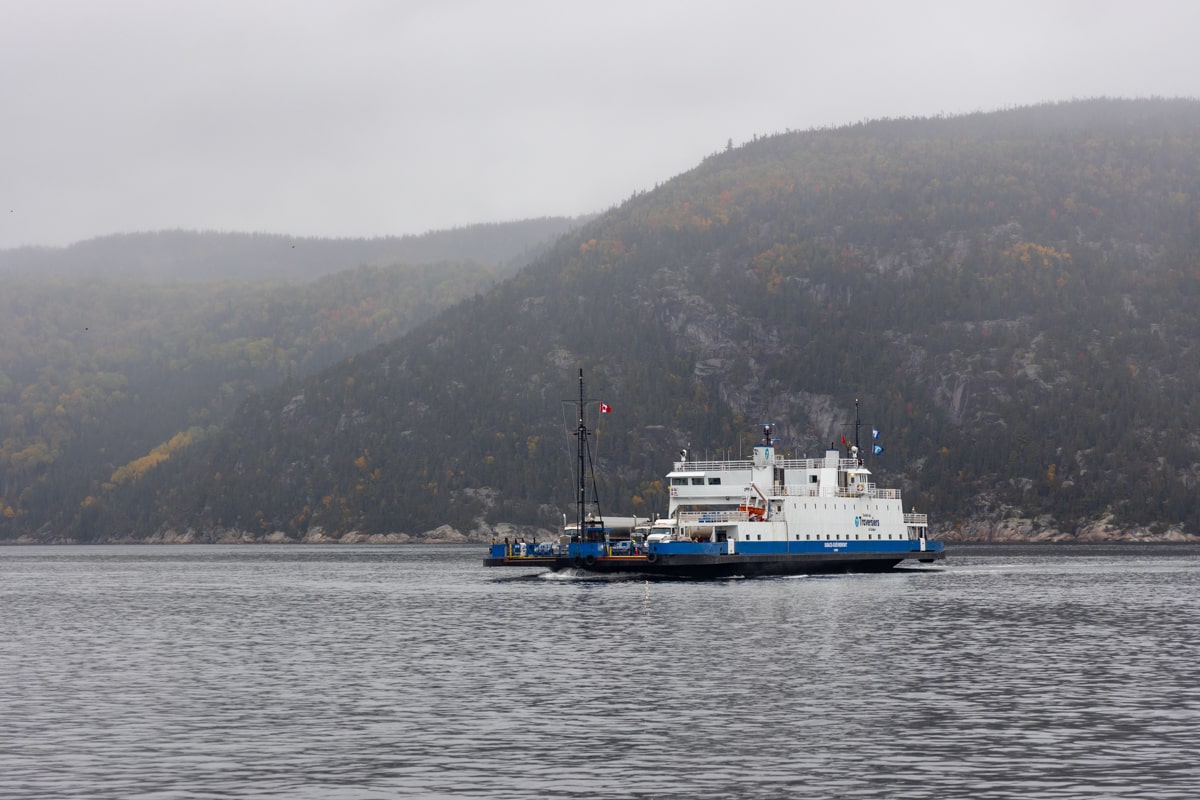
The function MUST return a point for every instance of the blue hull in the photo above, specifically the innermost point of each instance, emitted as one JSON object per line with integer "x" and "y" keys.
{"x": 712, "y": 560}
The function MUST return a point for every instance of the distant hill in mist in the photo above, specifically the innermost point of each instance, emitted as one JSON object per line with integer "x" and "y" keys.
{"x": 197, "y": 256}
{"x": 114, "y": 353}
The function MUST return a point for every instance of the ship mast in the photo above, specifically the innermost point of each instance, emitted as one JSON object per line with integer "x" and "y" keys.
{"x": 584, "y": 453}
{"x": 581, "y": 434}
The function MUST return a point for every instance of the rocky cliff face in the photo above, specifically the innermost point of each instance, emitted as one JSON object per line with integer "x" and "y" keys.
{"x": 1012, "y": 297}
{"x": 986, "y": 382}
{"x": 444, "y": 534}
{"x": 1013, "y": 529}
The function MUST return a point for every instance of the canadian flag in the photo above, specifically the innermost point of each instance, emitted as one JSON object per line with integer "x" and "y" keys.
{"x": 605, "y": 408}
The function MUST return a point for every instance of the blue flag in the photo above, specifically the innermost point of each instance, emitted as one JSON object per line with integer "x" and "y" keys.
{"x": 877, "y": 449}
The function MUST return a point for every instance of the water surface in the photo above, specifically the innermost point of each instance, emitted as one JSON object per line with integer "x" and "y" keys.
{"x": 372, "y": 672}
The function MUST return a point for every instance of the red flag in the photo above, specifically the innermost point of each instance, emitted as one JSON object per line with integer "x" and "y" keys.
{"x": 843, "y": 440}
{"x": 605, "y": 408}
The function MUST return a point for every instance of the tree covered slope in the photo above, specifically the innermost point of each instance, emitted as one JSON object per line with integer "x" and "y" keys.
{"x": 1011, "y": 295}
{"x": 102, "y": 378}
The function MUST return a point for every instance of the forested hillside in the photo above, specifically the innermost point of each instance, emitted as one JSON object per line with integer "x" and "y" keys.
{"x": 101, "y": 379}
{"x": 1011, "y": 295}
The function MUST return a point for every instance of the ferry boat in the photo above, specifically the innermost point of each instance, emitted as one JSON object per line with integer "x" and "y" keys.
{"x": 766, "y": 515}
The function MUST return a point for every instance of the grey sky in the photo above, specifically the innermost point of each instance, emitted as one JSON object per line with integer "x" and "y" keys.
{"x": 347, "y": 118}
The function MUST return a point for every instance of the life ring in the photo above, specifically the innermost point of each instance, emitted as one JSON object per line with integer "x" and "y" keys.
{"x": 862, "y": 487}
{"x": 651, "y": 558}
{"x": 577, "y": 562}
{"x": 590, "y": 561}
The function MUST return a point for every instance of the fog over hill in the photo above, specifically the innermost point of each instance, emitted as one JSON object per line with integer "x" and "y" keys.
{"x": 179, "y": 255}
{"x": 1011, "y": 295}
{"x": 118, "y": 353}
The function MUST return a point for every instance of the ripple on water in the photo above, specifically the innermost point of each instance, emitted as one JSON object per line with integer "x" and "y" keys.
{"x": 250, "y": 672}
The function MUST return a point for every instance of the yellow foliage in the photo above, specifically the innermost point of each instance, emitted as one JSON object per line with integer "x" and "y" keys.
{"x": 613, "y": 248}
{"x": 259, "y": 352}
{"x": 1028, "y": 252}
{"x": 140, "y": 466}
{"x": 31, "y": 457}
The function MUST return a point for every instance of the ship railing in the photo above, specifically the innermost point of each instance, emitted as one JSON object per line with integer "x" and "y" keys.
{"x": 535, "y": 550}
{"x": 711, "y": 466}
{"x": 870, "y": 490}
{"x": 916, "y": 519}
{"x": 793, "y": 490}
{"x": 786, "y": 463}
{"x": 711, "y": 517}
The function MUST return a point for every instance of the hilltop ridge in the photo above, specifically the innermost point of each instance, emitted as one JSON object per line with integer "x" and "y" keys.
{"x": 1011, "y": 294}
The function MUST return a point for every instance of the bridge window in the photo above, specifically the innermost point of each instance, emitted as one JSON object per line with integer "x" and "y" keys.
{"x": 679, "y": 481}
{"x": 697, "y": 481}
{"x": 714, "y": 481}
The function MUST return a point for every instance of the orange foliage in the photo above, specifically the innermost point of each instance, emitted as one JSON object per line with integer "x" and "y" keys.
{"x": 140, "y": 466}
